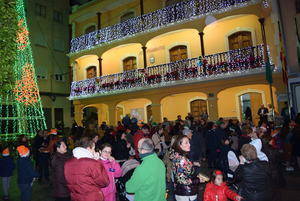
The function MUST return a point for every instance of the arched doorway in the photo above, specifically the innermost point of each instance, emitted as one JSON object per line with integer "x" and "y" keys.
{"x": 240, "y": 39}
{"x": 90, "y": 115}
{"x": 252, "y": 100}
{"x": 198, "y": 108}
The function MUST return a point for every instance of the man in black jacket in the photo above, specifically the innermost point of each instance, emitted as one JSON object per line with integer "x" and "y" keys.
{"x": 253, "y": 176}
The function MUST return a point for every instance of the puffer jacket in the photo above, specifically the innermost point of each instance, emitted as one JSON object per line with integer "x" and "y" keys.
{"x": 85, "y": 176}
{"x": 186, "y": 181}
{"x": 218, "y": 193}
{"x": 254, "y": 181}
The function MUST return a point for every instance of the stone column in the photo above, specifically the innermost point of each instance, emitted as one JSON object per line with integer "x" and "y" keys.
{"x": 144, "y": 56}
{"x": 213, "y": 114}
{"x": 201, "y": 34}
{"x": 112, "y": 114}
{"x": 98, "y": 20}
{"x": 100, "y": 66}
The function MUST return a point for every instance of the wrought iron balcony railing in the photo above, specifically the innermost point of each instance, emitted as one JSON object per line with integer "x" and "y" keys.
{"x": 180, "y": 12}
{"x": 217, "y": 66}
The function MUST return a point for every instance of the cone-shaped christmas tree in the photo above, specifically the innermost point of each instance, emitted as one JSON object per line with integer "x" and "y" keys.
{"x": 21, "y": 109}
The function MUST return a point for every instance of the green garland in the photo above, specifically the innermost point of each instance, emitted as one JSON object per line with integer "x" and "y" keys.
{"x": 8, "y": 44}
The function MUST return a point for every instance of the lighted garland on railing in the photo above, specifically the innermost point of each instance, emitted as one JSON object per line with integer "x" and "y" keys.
{"x": 212, "y": 66}
{"x": 182, "y": 11}
{"x": 20, "y": 110}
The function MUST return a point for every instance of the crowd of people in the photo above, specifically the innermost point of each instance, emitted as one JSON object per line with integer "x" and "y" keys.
{"x": 184, "y": 160}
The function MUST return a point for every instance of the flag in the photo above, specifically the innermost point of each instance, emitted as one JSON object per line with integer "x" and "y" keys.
{"x": 282, "y": 57}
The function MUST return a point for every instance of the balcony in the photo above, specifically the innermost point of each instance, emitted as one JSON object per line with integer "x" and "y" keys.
{"x": 177, "y": 13}
{"x": 223, "y": 65}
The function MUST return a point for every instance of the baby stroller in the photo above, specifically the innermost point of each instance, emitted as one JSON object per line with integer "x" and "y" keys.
{"x": 128, "y": 168}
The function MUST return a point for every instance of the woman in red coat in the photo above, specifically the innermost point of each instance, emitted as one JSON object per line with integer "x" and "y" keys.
{"x": 85, "y": 174}
{"x": 217, "y": 190}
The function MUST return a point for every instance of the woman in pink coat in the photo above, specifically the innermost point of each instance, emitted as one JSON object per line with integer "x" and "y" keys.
{"x": 113, "y": 170}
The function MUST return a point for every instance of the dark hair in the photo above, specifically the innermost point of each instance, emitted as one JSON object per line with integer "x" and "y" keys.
{"x": 103, "y": 146}
{"x": 58, "y": 144}
{"x": 177, "y": 143}
{"x": 85, "y": 142}
{"x": 210, "y": 125}
{"x": 145, "y": 126}
{"x": 214, "y": 175}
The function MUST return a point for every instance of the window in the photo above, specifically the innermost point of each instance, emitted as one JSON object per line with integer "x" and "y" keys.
{"x": 91, "y": 72}
{"x": 198, "y": 107}
{"x": 129, "y": 63}
{"x": 41, "y": 72}
{"x": 90, "y": 29}
{"x": 127, "y": 16}
{"x": 239, "y": 40}
{"x": 178, "y": 53}
{"x": 58, "y": 16}
{"x": 59, "y": 77}
{"x": 40, "y": 10}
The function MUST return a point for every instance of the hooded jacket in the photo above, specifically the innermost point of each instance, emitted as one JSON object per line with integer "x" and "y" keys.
{"x": 258, "y": 146}
{"x": 113, "y": 171}
{"x": 85, "y": 176}
{"x": 218, "y": 193}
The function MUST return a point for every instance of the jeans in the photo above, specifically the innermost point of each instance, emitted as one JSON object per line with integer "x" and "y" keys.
{"x": 5, "y": 185}
{"x": 26, "y": 190}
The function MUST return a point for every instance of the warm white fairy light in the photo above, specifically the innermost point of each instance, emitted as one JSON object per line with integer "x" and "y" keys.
{"x": 221, "y": 65}
{"x": 174, "y": 14}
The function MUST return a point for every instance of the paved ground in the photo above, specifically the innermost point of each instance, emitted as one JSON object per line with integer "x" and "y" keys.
{"x": 42, "y": 192}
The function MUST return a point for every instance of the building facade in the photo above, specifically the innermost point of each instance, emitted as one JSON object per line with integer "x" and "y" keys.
{"x": 289, "y": 13}
{"x": 48, "y": 26}
{"x": 163, "y": 58}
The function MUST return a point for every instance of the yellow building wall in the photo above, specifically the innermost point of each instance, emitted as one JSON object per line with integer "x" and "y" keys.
{"x": 179, "y": 104}
{"x": 102, "y": 111}
{"x": 216, "y": 34}
{"x": 228, "y": 103}
{"x": 113, "y": 59}
{"x": 135, "y": 104}
{"x": 159, "y": 46}
{"x": 83, "y": 63}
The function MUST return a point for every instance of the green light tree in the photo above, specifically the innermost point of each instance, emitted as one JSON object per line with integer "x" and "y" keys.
{"x": 21, "y": 109}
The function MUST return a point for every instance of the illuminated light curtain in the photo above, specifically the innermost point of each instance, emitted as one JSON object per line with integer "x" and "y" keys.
{"x": 21, "y": 109}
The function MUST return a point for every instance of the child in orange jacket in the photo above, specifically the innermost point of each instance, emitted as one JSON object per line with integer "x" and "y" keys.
{"x": 217, "y": 190}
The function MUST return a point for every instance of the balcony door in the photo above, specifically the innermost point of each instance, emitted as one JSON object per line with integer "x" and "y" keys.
{"x": 178, "y": 53}
{"x": 240, "y": 40}
{"x": 91, "y": 72}
{"x": 252, "y": 100}
{"x": 129, "y": 63}
{"x": 198, "y": 107}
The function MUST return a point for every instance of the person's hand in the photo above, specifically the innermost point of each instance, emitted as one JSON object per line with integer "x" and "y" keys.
{"x": 128, "y": 145}
{"x": 201, "y": 179}
{"x": 238, "y": 198}
{"x": 197, "y": 164}
{"x": 111, "y": 159}
{"x": 96, "y": 155}
{"x": 242, "y": 160}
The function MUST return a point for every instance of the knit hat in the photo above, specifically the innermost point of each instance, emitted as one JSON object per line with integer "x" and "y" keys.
{"x": 53, "y": 132}
{"x": 5, "y": 152}
{"x": 23, "y": 151}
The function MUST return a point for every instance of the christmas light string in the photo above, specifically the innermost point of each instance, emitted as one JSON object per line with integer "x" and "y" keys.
{"x": 21, "y": 109}
{"x": 217, "y": 66}
{"x": 174, "y": 14}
